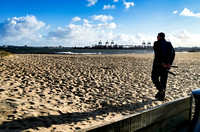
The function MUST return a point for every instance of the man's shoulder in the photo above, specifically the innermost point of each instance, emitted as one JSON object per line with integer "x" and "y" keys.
{"x": 156, "y": 42}
{"x": 164, "y": 41}
{"x": 168, "y": 42}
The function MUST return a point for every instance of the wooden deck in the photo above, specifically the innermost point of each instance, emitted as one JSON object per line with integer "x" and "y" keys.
{"x": 167, "y": 117}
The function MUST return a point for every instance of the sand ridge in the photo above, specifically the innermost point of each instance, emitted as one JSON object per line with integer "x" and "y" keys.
{"x": 71, "y": 92}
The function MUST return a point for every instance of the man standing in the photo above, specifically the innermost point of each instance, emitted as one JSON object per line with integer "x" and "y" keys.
{"x": 164, "y": 54}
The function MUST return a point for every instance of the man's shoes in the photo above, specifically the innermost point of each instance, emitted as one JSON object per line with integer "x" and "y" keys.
{"x": 160, "y": 96}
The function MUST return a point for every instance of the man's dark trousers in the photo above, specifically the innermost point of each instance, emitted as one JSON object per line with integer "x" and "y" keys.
{"x": 159, "y": 76}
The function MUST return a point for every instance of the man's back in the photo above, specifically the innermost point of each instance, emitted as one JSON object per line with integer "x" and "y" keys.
{"x": 164, "y": 52}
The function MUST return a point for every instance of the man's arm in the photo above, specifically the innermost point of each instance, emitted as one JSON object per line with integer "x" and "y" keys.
{"x": 167, "y": 66}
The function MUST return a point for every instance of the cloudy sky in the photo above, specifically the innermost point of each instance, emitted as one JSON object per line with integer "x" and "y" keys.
{"x": 85, "y": 22}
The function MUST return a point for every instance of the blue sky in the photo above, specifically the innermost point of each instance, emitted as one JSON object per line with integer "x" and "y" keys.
{"x": 85, "y": 22}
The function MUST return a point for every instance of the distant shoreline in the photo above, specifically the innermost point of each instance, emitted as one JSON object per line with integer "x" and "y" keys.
{"x": 71, "y": 51}
{"x": 82, "y": 51}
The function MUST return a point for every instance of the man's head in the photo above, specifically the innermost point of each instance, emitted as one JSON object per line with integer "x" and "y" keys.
{"x": 161, "y": 36}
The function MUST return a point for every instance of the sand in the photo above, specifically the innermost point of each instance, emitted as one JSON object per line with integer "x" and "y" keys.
{"x": 72, "y": 92}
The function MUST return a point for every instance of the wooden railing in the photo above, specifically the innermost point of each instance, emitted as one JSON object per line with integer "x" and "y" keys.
{"x": 166, "y": 117}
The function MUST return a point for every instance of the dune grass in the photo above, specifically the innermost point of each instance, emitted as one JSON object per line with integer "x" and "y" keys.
{"x": 4, "y": 53}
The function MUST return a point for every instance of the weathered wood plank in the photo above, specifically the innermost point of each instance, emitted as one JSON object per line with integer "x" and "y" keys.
{"x": 168, "y": 124}
{"x": 178, "y": 111}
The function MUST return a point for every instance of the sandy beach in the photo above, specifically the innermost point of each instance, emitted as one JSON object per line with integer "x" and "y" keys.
{"x": 72, "y": 92}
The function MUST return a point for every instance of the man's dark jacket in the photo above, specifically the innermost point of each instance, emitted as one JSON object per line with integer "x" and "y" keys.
{"x": 159, "y": 56}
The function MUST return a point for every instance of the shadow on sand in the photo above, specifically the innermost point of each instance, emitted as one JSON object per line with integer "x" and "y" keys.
{"x": 66, "y": 118}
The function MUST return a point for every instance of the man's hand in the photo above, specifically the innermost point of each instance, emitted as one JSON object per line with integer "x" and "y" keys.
{"x": 167, "y": 66}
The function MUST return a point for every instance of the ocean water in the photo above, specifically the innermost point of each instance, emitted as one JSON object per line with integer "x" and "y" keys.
{"x": 72, "y": 51}
{"x": 102, "y": 51}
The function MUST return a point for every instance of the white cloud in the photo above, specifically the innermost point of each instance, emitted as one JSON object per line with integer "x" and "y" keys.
{"x": 61, "y": 33}
{"x": 175, "y": 12}
{"x": 88, "y": 33}
{"x": 131, "y": 39}
{"x": 187, "y": 12}
{"x": 102, "y": 18}
{"x": 128, "y": 4}
{"x": 184, "y": 35}
{"x": 184, "y": 38}
{"x": 86, "y": 21}
{"x": 108, "y": 7}
{"x": 76, "y": 19}
{"x": 18, "y": 28}
{"x": 125, "y": 38}
{"x": 91, "y": 2}
{"x": 106, "y": 26}
{"x": 73, "y": 31}
{"x": 76, "y": 34}
{"x": 47, "y": 27}
{"x": 73, "y": 35}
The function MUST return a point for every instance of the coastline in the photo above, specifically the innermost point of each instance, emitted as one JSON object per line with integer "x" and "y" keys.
{"x": 70, "y": 92}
